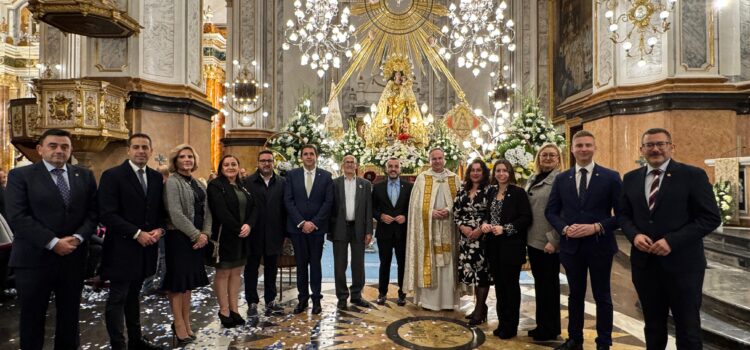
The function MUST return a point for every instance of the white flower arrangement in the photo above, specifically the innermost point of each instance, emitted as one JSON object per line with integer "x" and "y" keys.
{"x": 352, "y": 144}
{"x": 301, "y": 130}
{"x": 443, "y": 138}
{"x": 722, "y": 192}
{"x": 412, "y": 158}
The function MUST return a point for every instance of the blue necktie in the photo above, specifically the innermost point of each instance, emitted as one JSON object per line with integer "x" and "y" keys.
{"x": 393, "y": 193}
{"x": 62, "y": 186}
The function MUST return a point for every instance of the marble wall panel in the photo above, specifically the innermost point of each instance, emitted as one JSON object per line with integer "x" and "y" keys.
{"x": 696, "y": 139}
{"x": 745, "y": 39}
{"x": 194, "y": 33}
{"x": 247, "y": 31}
{"x": 604, "y": 51}
{"x": 525, "y": 45}
{"x": 694, "y": 38}
{"x": 52, "y": 45}
{"x": 112, "y": 54}
{"x": 201, "y": 142}
{"x": 543, "y": 64}
{"x": 278, "y": 84}
{"x": 158, "y": 38}
{"x": 603, "y": 134}
{"x": 627, "y": 132}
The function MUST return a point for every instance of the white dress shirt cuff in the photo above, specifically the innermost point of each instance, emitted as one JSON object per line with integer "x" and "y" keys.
{"x": 51, "y": 245}
{"x": 80, "y": 238}
{"x": 135, "y": 236}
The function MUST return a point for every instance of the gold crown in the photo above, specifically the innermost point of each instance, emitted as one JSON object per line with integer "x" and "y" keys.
{"x": 396, "y": 63}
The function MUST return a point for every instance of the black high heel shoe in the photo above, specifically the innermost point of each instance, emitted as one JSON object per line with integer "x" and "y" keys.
{"x": 178, "y": 342}
{"x": 226, "y": 321}
{"x": 192, "y": 336}
{"x": 238, "y": 320}
{"x": 475, "y": 321}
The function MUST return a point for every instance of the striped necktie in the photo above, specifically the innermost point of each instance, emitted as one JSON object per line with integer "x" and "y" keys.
{"x": 654, "y": 190}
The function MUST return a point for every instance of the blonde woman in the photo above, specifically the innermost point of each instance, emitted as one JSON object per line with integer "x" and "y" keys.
{"x": 543, "y": 243}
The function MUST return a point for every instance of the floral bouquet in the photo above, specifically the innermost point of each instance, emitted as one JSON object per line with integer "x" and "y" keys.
{"x": 442, "y": 138}
{"x": 352, "y": 144}
{"x": 722, "y": 192}
{"x": 412, "y": 158}
{"x": 302, "y": 129}
{"x": 525, "y": 136}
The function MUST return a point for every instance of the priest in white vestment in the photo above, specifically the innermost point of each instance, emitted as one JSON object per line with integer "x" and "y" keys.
{"x": 431, "y": 239}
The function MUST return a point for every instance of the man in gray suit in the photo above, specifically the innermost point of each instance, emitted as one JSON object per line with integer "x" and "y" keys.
{"x": 351, "y": 225}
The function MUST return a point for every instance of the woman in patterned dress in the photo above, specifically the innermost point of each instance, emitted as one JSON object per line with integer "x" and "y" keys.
{"x": 469, "y": 209}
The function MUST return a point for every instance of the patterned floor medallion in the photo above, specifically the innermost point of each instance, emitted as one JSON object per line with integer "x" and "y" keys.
{"x": 430, "y": 332}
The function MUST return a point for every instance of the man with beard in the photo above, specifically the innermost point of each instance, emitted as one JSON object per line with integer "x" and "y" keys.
{"x": 667, "y": 209}
{"x": 390, "y": 207}
{"x": 267, "y": 239}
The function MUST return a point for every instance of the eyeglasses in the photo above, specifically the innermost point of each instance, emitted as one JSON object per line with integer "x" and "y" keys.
{"x": 659, "y": 145}
{"x": 265, "y": 161}
{"x": 548, "y": 155}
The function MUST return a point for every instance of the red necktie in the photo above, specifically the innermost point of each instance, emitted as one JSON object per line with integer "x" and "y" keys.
{"x": 654, "y": 190}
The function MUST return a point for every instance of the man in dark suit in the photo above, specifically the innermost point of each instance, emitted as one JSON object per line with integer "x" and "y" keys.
{"x": 667, "y": 209}
{"x": 390, "y": 206}
{"x": 580, "y": 208}
{"x": 267, "y": 239}
{"x": 131, "y": 208}
{"x": 52, "y": 212}
{"x": 308, "y": 197}
{"x": 351, "y": 225}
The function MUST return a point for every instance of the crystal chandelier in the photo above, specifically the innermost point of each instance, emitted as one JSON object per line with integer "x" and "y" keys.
{"x": 640, "y": 14}
{"x": 243, "y": 95}
{"x": 477, "y": 32}
{"x": 320, "y": 40}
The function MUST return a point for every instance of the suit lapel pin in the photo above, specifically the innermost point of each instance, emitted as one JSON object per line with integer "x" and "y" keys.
{"x": 669, "y": 174}
{"x": 597, "y": 174}
{"x": 360, "y": 186}
{"x": 76, "y": 174}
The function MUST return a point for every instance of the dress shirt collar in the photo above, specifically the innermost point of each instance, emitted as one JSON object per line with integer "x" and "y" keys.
{"x": 313, "y": 171}
{"x": 51, "y": 167}
{"x": 662, "y": 167}
{"x": 135, "y": 167}
{"x": 395, "y": 181}
{"x": 589, "y": 168}
{"x": 350, "y": 179}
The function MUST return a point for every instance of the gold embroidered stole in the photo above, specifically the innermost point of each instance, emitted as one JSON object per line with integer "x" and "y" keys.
{"x": 444, "y": 248}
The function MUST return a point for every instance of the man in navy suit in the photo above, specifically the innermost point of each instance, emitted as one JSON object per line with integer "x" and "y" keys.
{"x": 580, "y": 208}
{"x": 131, "y": 208}
{"x": 308, "y": 197}
{"x": 52, "y": 211}
{"x": 667, "y": 209}
{"x": 390, "y": 207}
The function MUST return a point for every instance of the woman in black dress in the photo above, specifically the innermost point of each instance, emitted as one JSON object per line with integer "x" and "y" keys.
{"x": 469, "y": 210}
{"x": 234, "y": 215}
{"x": 508, "y": 218}
{"x": 189, "y": 222}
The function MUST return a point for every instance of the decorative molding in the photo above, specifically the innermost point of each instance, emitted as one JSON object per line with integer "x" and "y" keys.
{"x": 738, "y": 102}
{"x": 228, "y": 142}
{"x": 111, "y": 55}
{"x": 165, "y": 104}
{"x": 194, "y": 40}
{"x": 246, "y": 137}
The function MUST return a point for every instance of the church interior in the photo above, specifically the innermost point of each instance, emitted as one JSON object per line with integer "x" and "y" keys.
{"x": 377, "y": 79}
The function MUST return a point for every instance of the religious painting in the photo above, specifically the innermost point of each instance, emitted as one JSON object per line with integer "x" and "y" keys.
{"x": 573, "y": 49}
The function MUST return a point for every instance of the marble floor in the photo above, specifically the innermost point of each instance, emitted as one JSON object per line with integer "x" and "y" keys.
{"x": 380, "y": 327}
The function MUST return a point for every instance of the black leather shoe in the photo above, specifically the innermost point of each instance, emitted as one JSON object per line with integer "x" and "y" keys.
{"x": 238, "y": 320}
{"x": 275, "y": 309}
{"x": 341, "y": 305}
{"x": 502, "y": 334}
{"x": 226, "y": 321}
{"x": 602, "y": 347}
{"x": 300, "y": 308}
{"x": 143, "y": 344}
{"x": 570, "y": 344}
{"x": 401, "y": 300}
{"x": 316, "y": 308}
{"x": 533, "y": 332}
{"x": 544, "y": 337}
{"x": 361, "y": 303}
{"x": 252, "y": 310}
{"x": 380, "y": 300}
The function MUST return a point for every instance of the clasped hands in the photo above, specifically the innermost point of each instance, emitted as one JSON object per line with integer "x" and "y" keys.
{"x": 147, "y": 238}
{"x": 494, "y": 229}
{"x": 646, "y": 245}
{"x": 66, "y": 245}
{"x": 440, "y": 213}
{"x": 471, "y": 233}
{"x": 308, "y": 227}
{"x": 580, "y": 230}
{"x": 400, "y": 219}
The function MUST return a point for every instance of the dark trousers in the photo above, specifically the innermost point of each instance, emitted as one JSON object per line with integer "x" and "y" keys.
{"x": 508, "y": 294}
{"x": 269, "y": 279}
{"x": 659, "y": 291}
{"x": 341, "y": 262}
{"x": 123, "y": 304}
{"x": 599, "y": 267}
{"x": 546, "y": 270}
{"x": 308, "y": 251}
{"x": 35, "y": 285}
{"x": 385, "y": 251}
